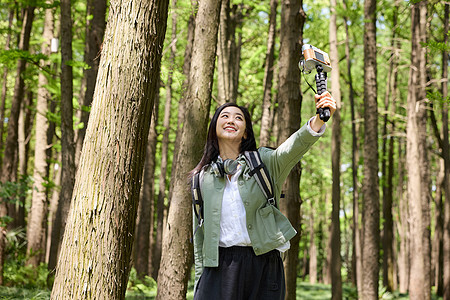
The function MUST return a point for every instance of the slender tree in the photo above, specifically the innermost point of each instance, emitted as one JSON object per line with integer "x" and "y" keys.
{"x": 266, "y": 119}
{"x": 95, "y": 29}
{"x": 96, "y": 249}
{"x": 67, "y": 133}
{"x": 145, "y": 242}
{"x": 419, "y": 286}
{"x": 336, "y": 278}
{"x": 177, "y": 250}
{"x": 38, "y": 212}
{"x": 371, "y": 205}
{"x": 290, "y": 100}
{"x": 5, "y": 81}
{"x": 356, "y": 273}
{"x": 9, "y": 165}
{"x": 446, "y": 153}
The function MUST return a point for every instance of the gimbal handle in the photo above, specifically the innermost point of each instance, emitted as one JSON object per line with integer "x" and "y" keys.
{"x": 321, "y": 85}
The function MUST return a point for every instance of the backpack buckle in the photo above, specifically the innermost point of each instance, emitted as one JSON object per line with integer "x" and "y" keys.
{"x": 271, "y": 201}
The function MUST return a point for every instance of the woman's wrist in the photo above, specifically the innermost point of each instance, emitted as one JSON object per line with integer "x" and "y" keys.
{"x": 316, "y": 123}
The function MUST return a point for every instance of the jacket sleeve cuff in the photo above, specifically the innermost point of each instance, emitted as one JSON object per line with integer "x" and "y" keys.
{"x": 312, "y": 132}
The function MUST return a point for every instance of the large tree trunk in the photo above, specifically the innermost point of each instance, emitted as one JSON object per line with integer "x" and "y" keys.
{"x": 336, "y": 278}
{"x": 38, "y": 213}
{"x": 371, "y": 205}
{"x": 96, "y": 249}
{"x": 9, "y": 166}
{"x": 67, "y": 133}
{"x": 177, "y": 250}
{"x": 95, "y": 29}
{"x": 290, "y": 100}
{"x": 446, "y": 153}
{"x": 266, "y": 119}
{"x": 419, "y": 286}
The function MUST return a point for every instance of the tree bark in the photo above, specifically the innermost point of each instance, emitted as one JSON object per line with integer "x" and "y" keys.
{"x": 290, "y": 100}
{"x": 336, "y": 278}
{"x": 371, "y": 205}
{"x": 37, "y": 216}
{"x": 96, "y": 249}
{"x": 266, "y": 120}
{"x": 177, "y": 250}
{"x": 95, "y": 29}
{"x": 419, "y": 286}
{"x": 9, "y": 165}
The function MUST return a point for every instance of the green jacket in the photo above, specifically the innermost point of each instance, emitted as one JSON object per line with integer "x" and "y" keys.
{"x": 267, "y": 227}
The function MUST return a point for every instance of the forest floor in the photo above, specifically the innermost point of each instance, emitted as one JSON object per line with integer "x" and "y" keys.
{"x": 304, "y": 291}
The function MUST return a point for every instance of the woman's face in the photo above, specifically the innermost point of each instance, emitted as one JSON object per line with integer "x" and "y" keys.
{"x": 231, "y": 125}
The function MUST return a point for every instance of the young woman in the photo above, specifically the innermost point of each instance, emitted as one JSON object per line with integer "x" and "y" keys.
{"x": 237, "y": 248}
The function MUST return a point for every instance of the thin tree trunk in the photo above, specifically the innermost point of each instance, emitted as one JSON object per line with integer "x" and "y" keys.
{"x": 371, "y": 205}
{"x": 437, "y": 254}
{"x": 387, "y": 163}
{"x": 148, "y": 193}
{"x": 9, "y": 166}
{"x": 403, "y": 225}
{"x": 177, "y": 250}
{"x": 336, "y": 278}
{"x": 165, "y": 144}
{"x": 95, "y": 29}
{"x": 37, "y": 216}
{"x": 446, "y": 153}
{"x": 312, "y": 247}
{"x": 419, "y": 286}
{"x": 96, "y": 249}
{"x": 67, "y": 134}
{"x": 266, "y": 120}
{"x": 290, "y": 100}
{"x": 17, "y": 211}
{"x": 145, "y": 220}
{"x": 5, "y": 82}
{"x": 226, "y": 45}
{"x": 356, "y": 273}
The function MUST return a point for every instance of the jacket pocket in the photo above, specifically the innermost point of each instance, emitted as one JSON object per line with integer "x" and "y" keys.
{"x": 270, "y": 225}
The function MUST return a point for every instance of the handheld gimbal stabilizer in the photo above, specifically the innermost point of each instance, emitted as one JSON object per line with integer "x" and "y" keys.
{"x": 314, "y": 58}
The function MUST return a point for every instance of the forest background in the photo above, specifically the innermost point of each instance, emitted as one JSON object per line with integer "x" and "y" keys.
{"x": 375, "y": 186}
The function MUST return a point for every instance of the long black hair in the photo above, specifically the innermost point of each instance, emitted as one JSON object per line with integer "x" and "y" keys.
{"x": 211, "y": 151}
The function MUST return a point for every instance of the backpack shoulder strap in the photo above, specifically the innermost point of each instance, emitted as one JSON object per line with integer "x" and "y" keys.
{"x": 197, "y": 200}
{"x": 258, "y": 168}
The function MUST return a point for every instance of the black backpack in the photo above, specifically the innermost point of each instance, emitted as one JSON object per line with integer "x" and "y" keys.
{"x": 257, "y": 167}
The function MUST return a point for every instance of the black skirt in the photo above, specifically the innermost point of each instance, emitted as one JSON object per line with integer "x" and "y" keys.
{"x": 241, "y": 275}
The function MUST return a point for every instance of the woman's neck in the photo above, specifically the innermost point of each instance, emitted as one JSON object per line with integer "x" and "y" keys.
{"x": 228, "y": 151}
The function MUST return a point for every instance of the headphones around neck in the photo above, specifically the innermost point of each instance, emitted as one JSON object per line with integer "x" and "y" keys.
{"x": 228, "y": 166}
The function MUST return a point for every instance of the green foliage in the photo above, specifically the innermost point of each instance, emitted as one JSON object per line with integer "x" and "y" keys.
{"x": 10, "y": 192}
{"x": 16, "y": 271}
{"x": 139, "y": 288}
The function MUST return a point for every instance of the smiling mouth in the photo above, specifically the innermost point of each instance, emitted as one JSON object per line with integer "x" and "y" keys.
{"x": 230, "y": 128}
